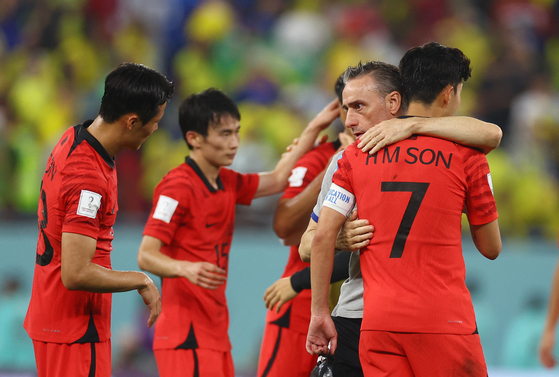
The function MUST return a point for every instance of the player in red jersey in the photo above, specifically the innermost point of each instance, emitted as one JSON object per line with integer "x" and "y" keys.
{"x": 418, "y": 317}
{"x": 286, "y": 325}
{"x": 188, "y": 235}
{"x": 70, "y": 309}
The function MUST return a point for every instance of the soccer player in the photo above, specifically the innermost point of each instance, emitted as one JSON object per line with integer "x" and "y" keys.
{"x": 188, "y": 235}
{"x": 418, "y": 317}
{"x": 286, "y": 325}
{"x": 70, "y": 309}
{"x": 547, "y": 342}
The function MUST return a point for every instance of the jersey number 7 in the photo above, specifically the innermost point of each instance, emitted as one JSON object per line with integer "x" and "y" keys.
{"x": 418, "y": 191}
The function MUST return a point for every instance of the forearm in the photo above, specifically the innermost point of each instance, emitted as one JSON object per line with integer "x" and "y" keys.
{"x": 464, "y": 130}
{"x": 98, "y": 279}
{"x": 302, "y": 279}
{"x": 292, "y": 215}
{"x": 322, "y": 255}
{"x": 306, "y": 242}
{"x": 553, "y": 309}
{"x": 151, "y": 259}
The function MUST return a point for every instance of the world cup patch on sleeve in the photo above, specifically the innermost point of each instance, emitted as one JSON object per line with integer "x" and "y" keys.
{"x": 490, "y": 181}
{"x": 297, "y": 176}
{"x": 165, "y": 208}
{"x": 89, "y": 204}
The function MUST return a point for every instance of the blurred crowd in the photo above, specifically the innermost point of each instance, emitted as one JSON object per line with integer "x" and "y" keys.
{"x": 279, "y": 60}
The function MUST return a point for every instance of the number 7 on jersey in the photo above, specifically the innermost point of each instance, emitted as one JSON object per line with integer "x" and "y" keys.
{"x": 418, "y": 190}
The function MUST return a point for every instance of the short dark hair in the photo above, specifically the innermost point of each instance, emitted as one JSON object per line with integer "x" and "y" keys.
{"x": 339, "y": 87}
{"x": 134, "y": 88}
{"x": 387, "y": 77}
{"x": 198, "y": 110}
{"x": 426, "y": 70}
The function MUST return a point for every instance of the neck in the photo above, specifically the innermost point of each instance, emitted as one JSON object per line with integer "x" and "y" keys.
{"x": 107, "y": 135}
{"x": 429, "y": 111}
{"x": 211, "y": 172}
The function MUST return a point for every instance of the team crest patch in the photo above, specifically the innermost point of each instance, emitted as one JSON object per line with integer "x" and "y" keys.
{"x": 89, "y": 204}
{"x": 165, "y": 208}
{"x": 297, "y": 176}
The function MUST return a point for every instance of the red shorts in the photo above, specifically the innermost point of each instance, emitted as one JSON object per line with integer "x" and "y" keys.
{"x": 194, "y": 363}
{"x": 77, "y": 359}
{"x": 385, "y": 353}
{"x": 283, "y": 353}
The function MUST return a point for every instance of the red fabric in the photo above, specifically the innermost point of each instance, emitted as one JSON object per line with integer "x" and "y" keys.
{"x": 283, "y": 353}
{"x": 201, "y": 229}
{"x": 55, "y": 359}
{"x": 314, "y": 161}
{"x": 182, "y": 363}
{"x": 421, "y": 355}
{"x": 420, "y": 287}
{"x": 56, "y": 314}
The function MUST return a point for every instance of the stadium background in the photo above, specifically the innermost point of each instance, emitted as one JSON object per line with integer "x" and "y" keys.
{"x": 278, "y": 59}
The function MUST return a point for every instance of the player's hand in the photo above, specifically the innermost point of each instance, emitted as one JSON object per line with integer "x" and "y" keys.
{"x": 326, "y": 116}
{"x": 355, "y": 234}
{"x": 386, "y": 133}
{"x": 546, "y": 347}
{"x": 152, "y": 299}
{"x": 321, "y": 333}
{"x": 203, "y": 274}
{"x": 279, "y": 293}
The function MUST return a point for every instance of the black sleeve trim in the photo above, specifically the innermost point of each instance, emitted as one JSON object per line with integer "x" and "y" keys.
{"x": 302, "y": 279}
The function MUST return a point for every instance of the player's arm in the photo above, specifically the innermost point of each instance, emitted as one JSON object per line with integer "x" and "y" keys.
{"x": 547, "y": 342}
{"x": 79, "y": 273}
{"x": 354, "y": 235}
{"x": 287, "y": 288}
{"x": 464, "y": 130}
{"x": 487, "y": 238}
{"x": 275, "y": 181}
{"x": 151, "y": 259}
{"x": 321, "y": 328}
{"x": 291, "y": 214}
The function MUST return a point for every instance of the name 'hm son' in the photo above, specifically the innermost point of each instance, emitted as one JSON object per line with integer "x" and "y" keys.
{"x": 413, "y": 155}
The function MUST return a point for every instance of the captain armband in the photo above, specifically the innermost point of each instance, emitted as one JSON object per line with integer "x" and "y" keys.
{"x": 339, "y": 199}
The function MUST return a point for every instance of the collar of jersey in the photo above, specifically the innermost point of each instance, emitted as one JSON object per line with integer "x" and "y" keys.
{"x": 83, "y": 134}
{"x": 198, "y": 171}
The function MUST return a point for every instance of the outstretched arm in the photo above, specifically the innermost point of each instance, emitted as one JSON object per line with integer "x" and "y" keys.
{"x": 286, "y": 289}
{"x": 151, "y": 259}
{"x": 464, "y": 130}
{"x": 275, "y": 181}
{"x": 79, "y": 273}
{"x": 547, "y": 342}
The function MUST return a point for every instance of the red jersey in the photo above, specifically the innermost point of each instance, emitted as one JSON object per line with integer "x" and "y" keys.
{"x": 304, "y": 172}
{"x": 78, "y": 195}
{"x": 414, "y": 193}
{"x": 195, "y": 222}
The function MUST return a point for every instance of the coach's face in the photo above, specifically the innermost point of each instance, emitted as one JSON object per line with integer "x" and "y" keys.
{"x": 365, "y": 105}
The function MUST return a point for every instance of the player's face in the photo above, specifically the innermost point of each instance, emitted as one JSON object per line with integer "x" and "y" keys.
{"x": 142, "y": 132}
{"x": 220, "y": 146}
{"x": 365, "y": 106}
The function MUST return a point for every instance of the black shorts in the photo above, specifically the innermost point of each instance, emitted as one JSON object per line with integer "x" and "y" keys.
{"x": 346, "y": 358}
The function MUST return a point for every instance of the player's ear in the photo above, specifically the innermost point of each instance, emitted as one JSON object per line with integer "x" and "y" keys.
{"x": 393, "y": 102}
{"x": 446, "y": 95}
{"x": 131, "y": 120}
{"x": 194, "y": 139}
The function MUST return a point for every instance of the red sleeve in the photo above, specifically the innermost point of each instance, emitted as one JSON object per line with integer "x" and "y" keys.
{"x": 170, "y": 208}
{"x": 480, "y": 201}
{"x": 83, "y": 195}
{"x": 306, "y": 170}
{"x": 247, "y": 184}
